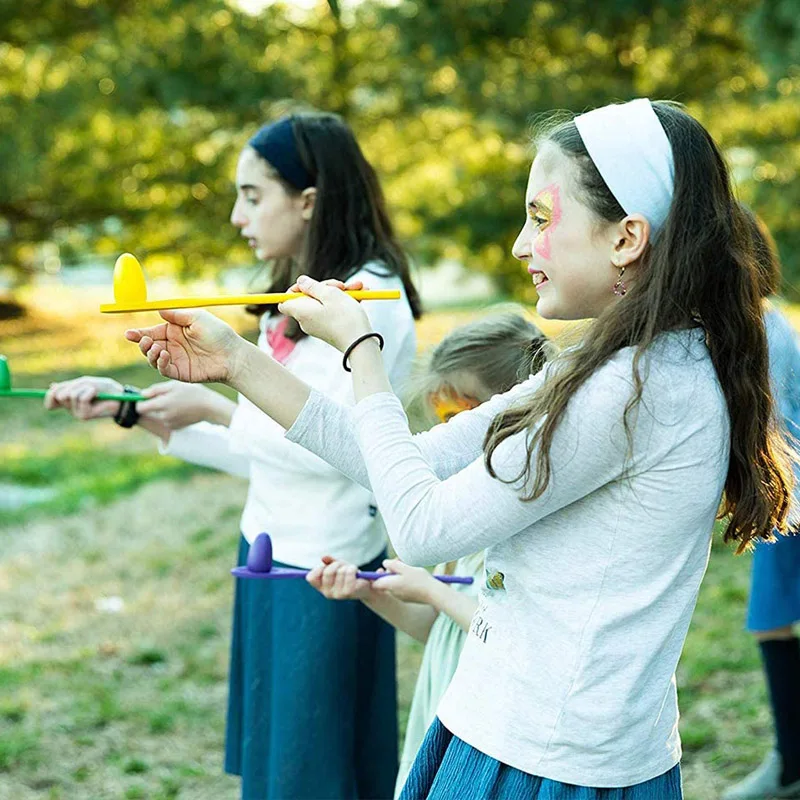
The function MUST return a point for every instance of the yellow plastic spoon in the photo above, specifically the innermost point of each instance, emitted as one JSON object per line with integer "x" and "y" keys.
{"x": 130, "y": 293}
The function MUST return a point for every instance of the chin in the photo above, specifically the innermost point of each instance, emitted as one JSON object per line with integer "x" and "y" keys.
{"x": 546, "y": 310}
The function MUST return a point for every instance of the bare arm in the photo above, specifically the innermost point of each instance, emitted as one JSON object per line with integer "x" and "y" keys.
{"x": 415, "y": 619}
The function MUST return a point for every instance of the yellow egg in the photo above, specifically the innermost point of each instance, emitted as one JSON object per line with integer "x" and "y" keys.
{"x": 129, "y": 284}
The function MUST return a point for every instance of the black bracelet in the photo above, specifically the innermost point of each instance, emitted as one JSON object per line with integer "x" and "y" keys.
{"x": 356, "y": 343}
{"x": 127, "y": 415}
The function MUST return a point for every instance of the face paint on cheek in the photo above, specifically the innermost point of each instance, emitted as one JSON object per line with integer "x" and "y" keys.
{"x": 446, "y": 405}
{"x": 548, "y": 201}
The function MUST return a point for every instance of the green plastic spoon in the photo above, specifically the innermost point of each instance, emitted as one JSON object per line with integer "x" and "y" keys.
{"x": 7, "y": 391}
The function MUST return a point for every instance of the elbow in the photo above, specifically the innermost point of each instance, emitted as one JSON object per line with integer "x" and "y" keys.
{"x": 413, "y": 553}
{"x": 417, "y": 535}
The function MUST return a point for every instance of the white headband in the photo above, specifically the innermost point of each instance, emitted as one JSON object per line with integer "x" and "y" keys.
{"x": 631, "y": 151}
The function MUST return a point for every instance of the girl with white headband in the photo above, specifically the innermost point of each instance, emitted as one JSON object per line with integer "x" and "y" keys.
{"x": 594, "y": 485}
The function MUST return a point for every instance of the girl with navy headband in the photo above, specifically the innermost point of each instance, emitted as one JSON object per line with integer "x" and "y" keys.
{"x": 312, "y": 700}
{"x": 594, "y": 486}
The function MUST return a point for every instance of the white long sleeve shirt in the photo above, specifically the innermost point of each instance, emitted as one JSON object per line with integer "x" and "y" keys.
{"x": 569, "y": 670}
{"x": 308, "y": 507}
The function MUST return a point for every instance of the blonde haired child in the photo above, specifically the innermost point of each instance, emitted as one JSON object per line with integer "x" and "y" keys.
{"x": 472, "y": 363}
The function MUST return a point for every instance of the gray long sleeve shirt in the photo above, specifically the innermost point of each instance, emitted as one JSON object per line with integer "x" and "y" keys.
{"x": 569, "y": 669}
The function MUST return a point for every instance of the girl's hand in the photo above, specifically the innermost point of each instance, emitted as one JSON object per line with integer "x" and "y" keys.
{"x": 176, "y": 405}
{"x": 352, "y": 286}
{"x": 337, "y": 580}
{"x": 412, "y": 584}
{"x": 190, "y": 346}
{"x": 77, "y": 396}
{"x": 327, "y": 312}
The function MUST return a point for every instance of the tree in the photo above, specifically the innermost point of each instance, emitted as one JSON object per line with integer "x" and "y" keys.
{"x": 127, "y": 117}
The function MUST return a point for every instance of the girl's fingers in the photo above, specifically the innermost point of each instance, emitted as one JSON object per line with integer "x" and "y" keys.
{"x": 319, "y": 291}
{"x": 345, "y": 579}
{"x": 51, "y": 399}
{"x": 152, "y": 354}
{"x": 162, "y": 387}
{"x": 154, "y": 332}
{"x": 183, "y": 317}
{"x": 388, "y": 583}
{"x": 150, "y": 407}
{"x": 314, "y": 577}
{"x": 84, "y": 401}
{"x": 145, "y": 343}
{"x": 329, "y": 577}
{"x": 164, "y": 364}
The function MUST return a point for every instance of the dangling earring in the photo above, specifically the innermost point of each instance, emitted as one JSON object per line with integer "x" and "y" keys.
{"x": 620, "y": 289}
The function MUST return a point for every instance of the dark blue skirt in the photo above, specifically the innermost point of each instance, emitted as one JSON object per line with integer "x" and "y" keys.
{"x": 447, "y": 767}
{"x": 312, "y": 706}
{"x": 775, "y": 588}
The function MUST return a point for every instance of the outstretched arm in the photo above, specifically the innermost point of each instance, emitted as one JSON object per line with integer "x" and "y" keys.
{"x": 197, "y": 347}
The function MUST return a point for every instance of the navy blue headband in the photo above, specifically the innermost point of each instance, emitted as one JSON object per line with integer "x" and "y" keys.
{"x": 275, "y": 142}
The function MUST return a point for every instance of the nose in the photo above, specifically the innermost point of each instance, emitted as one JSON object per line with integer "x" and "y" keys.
{"x": 237, "y": 219}
{"x": 522, "y": 246}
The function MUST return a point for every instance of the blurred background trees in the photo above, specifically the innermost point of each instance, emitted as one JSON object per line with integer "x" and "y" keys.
{"x": 121, "y": 119}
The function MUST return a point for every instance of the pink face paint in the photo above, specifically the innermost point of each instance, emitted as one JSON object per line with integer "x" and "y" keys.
{"x": 547, "y": 206}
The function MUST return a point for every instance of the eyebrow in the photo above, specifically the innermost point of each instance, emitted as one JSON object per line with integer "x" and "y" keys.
{"x": 538, "y": 204}
{"x": 247, "y": 187}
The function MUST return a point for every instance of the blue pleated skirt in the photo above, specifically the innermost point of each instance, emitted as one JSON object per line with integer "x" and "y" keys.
{"x": 312, "y": 706}
{"x": 447, "y": 767}
{"x": 775, "y": 586}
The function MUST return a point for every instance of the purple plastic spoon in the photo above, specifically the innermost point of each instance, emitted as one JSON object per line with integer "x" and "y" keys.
{"x": 259, "y": 565}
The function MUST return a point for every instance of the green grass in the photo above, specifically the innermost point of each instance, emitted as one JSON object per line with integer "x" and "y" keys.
{"x": 81, "y": 476}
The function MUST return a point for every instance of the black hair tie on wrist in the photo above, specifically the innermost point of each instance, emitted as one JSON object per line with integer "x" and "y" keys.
{"x": 356, "y": 343}
{"x": 127, "y": 415}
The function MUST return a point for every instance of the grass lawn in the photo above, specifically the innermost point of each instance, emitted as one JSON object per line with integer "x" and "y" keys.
{"x": 115, "y": 600}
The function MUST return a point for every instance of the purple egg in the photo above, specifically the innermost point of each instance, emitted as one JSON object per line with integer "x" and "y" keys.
{"x": 259, "y": 559}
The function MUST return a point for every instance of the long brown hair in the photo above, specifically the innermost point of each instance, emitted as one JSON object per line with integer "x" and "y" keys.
{"x": 766, "y": 252}
{"x": 700, "y": 270}
{"x": 350, "y": 226}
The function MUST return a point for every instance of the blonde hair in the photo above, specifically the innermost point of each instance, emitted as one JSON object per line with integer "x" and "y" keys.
{"x": 499, "y": 350}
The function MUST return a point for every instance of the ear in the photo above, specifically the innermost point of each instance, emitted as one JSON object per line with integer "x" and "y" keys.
{"x": 308, "y": 199}
{"x": 630, "y": 239}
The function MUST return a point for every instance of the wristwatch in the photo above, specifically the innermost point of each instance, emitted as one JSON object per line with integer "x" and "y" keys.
{"x": 127, "y": 415}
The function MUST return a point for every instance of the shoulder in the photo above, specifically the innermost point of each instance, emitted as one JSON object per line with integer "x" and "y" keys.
{"x": 676, "y": 373}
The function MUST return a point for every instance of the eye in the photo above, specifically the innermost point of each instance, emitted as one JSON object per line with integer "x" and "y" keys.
{"x": 537, "y": 218}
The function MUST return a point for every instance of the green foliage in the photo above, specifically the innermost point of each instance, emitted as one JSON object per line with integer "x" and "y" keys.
{"x": 127, "y": 117}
